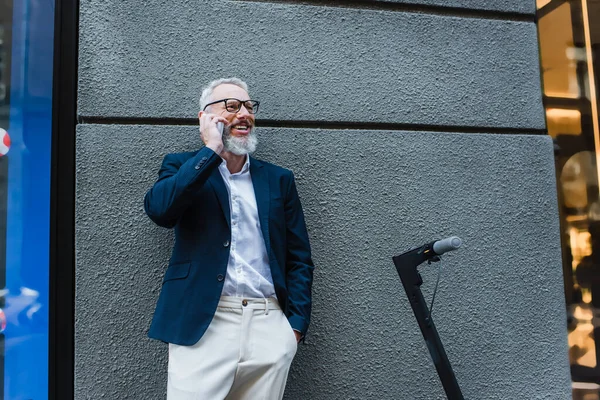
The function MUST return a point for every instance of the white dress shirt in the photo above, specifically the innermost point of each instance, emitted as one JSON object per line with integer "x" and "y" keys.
{"x": 248, "y": 271}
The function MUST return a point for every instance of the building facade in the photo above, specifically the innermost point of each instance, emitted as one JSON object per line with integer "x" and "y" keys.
{"x": 404, "y": 122}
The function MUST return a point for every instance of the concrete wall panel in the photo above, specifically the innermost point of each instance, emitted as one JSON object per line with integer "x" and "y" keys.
{"x": 367, "y": 196}
{"x": 309, "y": 63}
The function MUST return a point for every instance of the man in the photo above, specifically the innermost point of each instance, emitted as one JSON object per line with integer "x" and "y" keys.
{"x": 236, "y": 296}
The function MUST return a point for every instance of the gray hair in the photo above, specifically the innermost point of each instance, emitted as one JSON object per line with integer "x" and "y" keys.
{"x": 208, "y": 90}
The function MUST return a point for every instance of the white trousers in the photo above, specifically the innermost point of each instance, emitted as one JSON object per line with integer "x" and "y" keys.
{"x": 245, "y": 353}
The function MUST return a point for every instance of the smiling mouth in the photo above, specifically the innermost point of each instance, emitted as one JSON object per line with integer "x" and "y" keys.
{"x": 241, "y": 128}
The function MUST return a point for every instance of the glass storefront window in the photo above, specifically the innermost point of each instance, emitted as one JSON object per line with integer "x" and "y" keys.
{"x": 569, "y": 33}
{"x": 26, "y": 62}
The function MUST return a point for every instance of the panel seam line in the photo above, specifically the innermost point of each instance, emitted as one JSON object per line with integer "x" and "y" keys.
{"x": 315, "y": 124}
{"x": 413, "y": 8}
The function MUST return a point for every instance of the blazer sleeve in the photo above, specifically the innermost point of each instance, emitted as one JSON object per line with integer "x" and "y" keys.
{"x": 299, "y": 265}
{"x": 177, "y": 181}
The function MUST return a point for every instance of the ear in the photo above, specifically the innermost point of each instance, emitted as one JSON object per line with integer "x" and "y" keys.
{"x": 200, "y": 113}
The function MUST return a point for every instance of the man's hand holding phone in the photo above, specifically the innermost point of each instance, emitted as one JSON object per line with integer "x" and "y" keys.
{"x": 211, "y": 131}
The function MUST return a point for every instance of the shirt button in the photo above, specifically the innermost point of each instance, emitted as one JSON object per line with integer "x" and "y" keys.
{"x": 244, "y": 302}
{"x": 226, "y": 243}
{"x": 220, "y": 278}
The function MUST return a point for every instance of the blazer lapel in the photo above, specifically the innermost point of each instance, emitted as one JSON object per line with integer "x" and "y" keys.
{"x": 216, "y": 180}
{"x": 260, "y": 181}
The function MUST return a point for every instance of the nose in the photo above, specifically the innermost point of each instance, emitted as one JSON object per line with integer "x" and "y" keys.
{"x": 243, "y": 111}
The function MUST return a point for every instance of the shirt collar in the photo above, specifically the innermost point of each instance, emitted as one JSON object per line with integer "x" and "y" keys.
{"x": 244, "y": 169}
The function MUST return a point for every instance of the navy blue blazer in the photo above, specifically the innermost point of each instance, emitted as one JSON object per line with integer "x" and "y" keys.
{"x": 191, "y": 197}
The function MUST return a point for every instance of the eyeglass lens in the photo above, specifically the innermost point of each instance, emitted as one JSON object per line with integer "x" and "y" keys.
{"x": 233, "y": 105}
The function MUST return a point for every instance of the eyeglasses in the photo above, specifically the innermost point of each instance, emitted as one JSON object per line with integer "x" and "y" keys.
{"x": 234, "y": 105}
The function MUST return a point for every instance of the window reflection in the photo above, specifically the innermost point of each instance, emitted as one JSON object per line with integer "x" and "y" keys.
{"x": 26, "y": 60}
{"x": 563, "y": 121}
{"x": 559, "y": 54}
{"x": 569, "y": 33}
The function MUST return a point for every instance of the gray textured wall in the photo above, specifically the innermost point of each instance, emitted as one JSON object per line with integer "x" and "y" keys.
{"x": 435, "y": 70}
{"x": 367, "y": 194}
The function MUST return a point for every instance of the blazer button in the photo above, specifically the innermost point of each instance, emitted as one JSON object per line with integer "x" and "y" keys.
{"x": 220, "y": 278}
{"x": 226, "y": 243}
{"x": 197, "y": 166}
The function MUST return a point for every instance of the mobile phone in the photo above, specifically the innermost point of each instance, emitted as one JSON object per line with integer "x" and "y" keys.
{"x": 220, "y": 127}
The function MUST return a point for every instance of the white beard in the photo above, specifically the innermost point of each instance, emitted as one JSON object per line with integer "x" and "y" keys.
{"x": 239, "y": 145}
